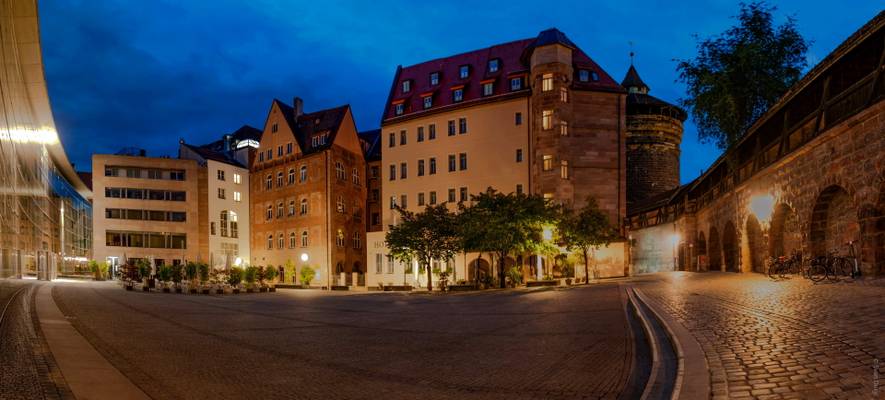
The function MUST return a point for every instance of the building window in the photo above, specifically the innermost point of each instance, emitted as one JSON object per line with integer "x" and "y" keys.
{"x": 223, "y": 223}
{"x": 274, "y": 128}
{"x": 304, "y": 239}
{"x": 268, "y": 182}
{"x": 291, "y": 176}
{"x": 488, "y": 88}
{"x": 563, "y": 94}
{"x": 238, "y": 196}
{"x": 291, "y": 240}
{"x": 376, "y": 194}
{"x": 291, "y": 207}
{"x": 404, "y": 201}
{"x": 392, "y": 202}
{"x": 434, "y": 78}
{"x": 519, "y": 189}
{"x": 279, "y": 151}
{"x": 339, "y": 238}
{"x": 399, "y": 108}
{"x": 546, "y": 82}
{"x": 355, "y": 176}
{"x": 518, "y": 155}
{"x": 403, "y": 173}
{"x": 260, "y": 156}
{"x": 462, "y": 125}
{"x": 451, "y": 163}
{"x": 432, "y": 198}
{"x": 583, "y": 75}
{"x": 518, "y": 118}
{"x": 452, "y": 128}
{"x": 280, "y": 179}
{"x": 340, "y": 204}
{"x": 391, "y": 142}
{"x": 515, "y": 84}
{"x": 289, "y": 148}
{"x": 376, "y": 218}
{"x": 464, "y": 71}
{"x": 432, "y": 165}
{"x": 379, "y": 263}
{"x": 234, "y": 230}
{"x": 431, "y": 131}
{"x": 457, "y": 95}
{"x": 594, "y": 76}
{"x": 547, "y": 119}
{"x": 280, "y": 210}
{"x": 420, "y": 133}
{"x": 463, "y": 194}
{"x": 339, "y": 171}
{"x": 390, "y": 265}
{"x": 303, "y": 176}
{"x": 493, "y": 65}
{"x": 374, "y": 171}
{"x": 420, "y": 199}
{"x": 451, "y": 195}
{"x": 392, "y": 172}
{"x": 563, "y": 169}
{"x": 402, "y": 137}
{"x": 237, "y": 179}
{"x": 280, "y": 242}
{"x": 420, "y": 167}
{"x": 563, "y": 128}
{"x": 303, "y": 206}
{"x": 221, "y": 193}
{"x": 269, "y": 214}
{"x": 548, "y": 163}
{"x": 212, "y": 228}
{"x": 462, "y": 161}
{"x": 220, "y": 174}
{"x": 270, "y": 242}
{"x": 428, "y": 101}
{"x": 407, "y": 86}
{"x": 357, "y": 241}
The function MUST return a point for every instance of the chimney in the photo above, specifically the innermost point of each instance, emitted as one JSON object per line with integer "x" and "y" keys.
{"x": 298, "y": 104}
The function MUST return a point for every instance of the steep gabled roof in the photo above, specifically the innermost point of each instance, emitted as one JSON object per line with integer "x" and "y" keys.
{"x": 306, "y": 126}
{"x": 371, "y": 144}
{"x": 632, "y": 79}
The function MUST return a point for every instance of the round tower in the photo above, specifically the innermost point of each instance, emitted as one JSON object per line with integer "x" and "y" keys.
{"x": 654, "y": 133}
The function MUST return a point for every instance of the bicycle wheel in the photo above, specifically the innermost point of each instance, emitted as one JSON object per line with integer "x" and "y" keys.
{"x": 817, "y": 271}
{"x": 772, "y": 267}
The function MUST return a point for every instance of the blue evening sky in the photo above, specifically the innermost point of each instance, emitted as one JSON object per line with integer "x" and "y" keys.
{"x": 146, "y": 73}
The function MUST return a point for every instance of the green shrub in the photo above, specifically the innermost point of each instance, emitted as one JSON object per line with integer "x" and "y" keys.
{"x": 251, "y": 274}
{"x": 99, "y": 270}
{"x": 270, "y": 273}
{"x": 204, "y": 272}
{"x": 307, "y": 274}
{"x": 515, "y": 275}
{"x": 177, "y": 271}
{"x": 164, "y": 273}
{"x": 235, "y": 277}
{"x": 191, "y": 270}
{"x": 144, "y": 268}
{"x": 289, "y": 271}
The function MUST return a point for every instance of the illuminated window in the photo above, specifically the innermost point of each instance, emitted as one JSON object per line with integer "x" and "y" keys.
{"x": 238, "y": 196}
{"x": 493, "y": 65}
{"x": 339, "y": 238}
{"x": 464, "y": 71}
{"x": 399, "y": 108}
{"x": 434, "y": 78}
{"x": 407, "y": 86}
{"x": 547, "y": 119}
{"x": 487, "y": 89}
{"x": 563, "y": 94}
{"x": 547, "y": 82}
{"x": 237, "y": 178}
{"x": 563, "y": 128}
{"x": 563, "y": 169}
{"x": 428, "y": 101}
{"x": 304, "y": 239}
{"x": 548, "y": 162}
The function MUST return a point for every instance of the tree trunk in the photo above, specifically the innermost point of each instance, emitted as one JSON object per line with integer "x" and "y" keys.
{"x": 586, "y": 267}
{"x": 502, "y": 284}
{"x": 429, "y": 280}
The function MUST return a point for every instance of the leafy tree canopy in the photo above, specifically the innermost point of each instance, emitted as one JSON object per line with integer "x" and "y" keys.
{"x": 424, "y": 236}
{"x": 740, "y": 74}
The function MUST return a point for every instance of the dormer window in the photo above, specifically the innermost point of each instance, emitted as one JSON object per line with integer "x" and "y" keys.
{"x": 594, "y": 76}
{"x": 407, "y": 86}
{"x": 583, "y": 75}
{"x": 399, "y": 108}
{"x": 318, "y": 140}
{"x": 457, "y": 95}
{"x": 488, "y": 88}
{"x": 516, "y": 83}
{"x": 428, "y": 102}
{"x": 434, "y": 78}
{"x": 464, "y": 71}
{"x": 493, "y": 65}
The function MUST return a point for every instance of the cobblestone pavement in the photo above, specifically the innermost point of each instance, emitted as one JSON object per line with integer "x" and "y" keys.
{"x": 549, "y": 344}
{"x": 789, "y": 338}
{"x": 27, "y": 370}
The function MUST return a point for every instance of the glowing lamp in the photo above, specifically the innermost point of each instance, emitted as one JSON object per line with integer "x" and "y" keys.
{"x": 304, "y": 257}
{"x": 548, "y": 234}
{"x": 238, "y": 262}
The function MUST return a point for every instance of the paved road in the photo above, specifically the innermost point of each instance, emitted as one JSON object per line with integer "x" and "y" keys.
{"x": 780, "y": 339}
{"x": 547, "y": 344}
{"x": 27, "y": 370}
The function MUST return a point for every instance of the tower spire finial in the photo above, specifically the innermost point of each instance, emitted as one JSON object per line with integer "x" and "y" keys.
{"x": 631, "y": 52}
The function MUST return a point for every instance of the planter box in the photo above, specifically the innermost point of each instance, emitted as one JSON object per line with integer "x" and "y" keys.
{"x": 128, "y": 287}
{"x": 250, "y": 290}
{"x": 192, "y": 291}
{"x": 236, "y": 291}
{"x": 262, "y": 290}
{"x": 146, "y": 288}
{"x": 272, "y": 289}
{"x": 398, "y": 288}
{"x": 219, "y": 291}
{"x": 461, "y": 288}
{"x": 554, "y": 282}
{"x": 167, "y": 290}
{"x": 340, "y": 287}
{"x": 178, "y": 290}
{"x": 205, "y": 291}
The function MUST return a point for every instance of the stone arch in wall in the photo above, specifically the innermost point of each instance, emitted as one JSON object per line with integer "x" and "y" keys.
{"x": 784, "y": 234}
{"x": 480, "y": 265}
{"x": 755, "y": 245}
{"x": 833, "y": 221}
{"x": 714, "y": 251}
{"x": 730, "y": 248}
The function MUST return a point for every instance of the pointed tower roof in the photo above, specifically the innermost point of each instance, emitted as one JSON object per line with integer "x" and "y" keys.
{"x": 633, "y": 83}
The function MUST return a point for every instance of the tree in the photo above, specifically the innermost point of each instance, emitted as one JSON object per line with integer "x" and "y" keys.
{"x": 425, "y": 236}
{"x": 585, "y": 230}
{"x": 738, "y": 75}
{"x": 504, "y": 223}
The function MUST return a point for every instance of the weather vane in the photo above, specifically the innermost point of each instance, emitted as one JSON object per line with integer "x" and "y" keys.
{"x": 631, "y": 52}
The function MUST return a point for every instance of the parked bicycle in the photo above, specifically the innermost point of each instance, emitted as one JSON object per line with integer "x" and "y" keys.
{"x": 833, "y": 266}
{"x": 783, "y": 265}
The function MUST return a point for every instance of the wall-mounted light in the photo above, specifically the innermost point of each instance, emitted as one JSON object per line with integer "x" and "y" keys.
{"x": 304, "y": 257}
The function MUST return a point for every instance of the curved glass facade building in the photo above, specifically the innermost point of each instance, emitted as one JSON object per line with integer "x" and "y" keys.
{"x": 45, "y": 213}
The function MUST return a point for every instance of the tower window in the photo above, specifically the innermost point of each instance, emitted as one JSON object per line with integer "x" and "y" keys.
{"x": 548, "y": 162}
{"x": 546, "y": 119}
{"x": 546, "y": 82}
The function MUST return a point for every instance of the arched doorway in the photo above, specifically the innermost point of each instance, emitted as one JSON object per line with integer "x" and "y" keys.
{"x": 833, "y": 221}
{"x": 533, "y": 261}
{"x": 714, "y": 251}
{"x": 480, "y": 266}
{"x": 755, "y": 247}
{"x": 701, "y": 246}
{"x": 360, "y": 274}
{"x": 784, "y": 236}
{"x": 730, "y": 248}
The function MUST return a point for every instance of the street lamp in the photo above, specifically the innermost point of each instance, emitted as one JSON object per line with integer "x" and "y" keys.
{"x": 304, "y": 257}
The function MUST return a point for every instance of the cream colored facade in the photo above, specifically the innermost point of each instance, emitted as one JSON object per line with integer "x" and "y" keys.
{"x": 491, "y": 144}
{"x": 147, "y": 237}
{"x": 228, "y": 214}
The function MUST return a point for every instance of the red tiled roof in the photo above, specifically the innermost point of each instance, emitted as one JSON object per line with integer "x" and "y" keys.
{"x": 512, "y": 62}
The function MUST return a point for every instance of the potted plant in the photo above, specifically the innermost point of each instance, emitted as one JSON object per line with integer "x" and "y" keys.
{"x": 234, "y": 279}
{"x": 270, "y": 274}
{"x": 99, "y": 270}
{"x": 177, "y": 275}
{"x": 128, "y": 276}
{"x": 204, "y": 276}
{"x": 219, "y": 279}
{"x": 190, "y": 272}
{"x": 568, "y": 271}
{"x": 144, "y": 272}
{"x": 307, "y": 274}
{"x": 250, "y": 275}
{"x": 164, "y": 272}
{"x": 514, "y": 274}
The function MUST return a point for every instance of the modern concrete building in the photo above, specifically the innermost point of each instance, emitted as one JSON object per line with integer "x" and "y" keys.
{"x": 535, "y": 115}
{"x": 308, "y": 194}
{"x": 45, "y": 217}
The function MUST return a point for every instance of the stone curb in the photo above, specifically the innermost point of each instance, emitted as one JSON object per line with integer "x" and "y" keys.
{"x": 87, "y": 373}
{"x": 692, "y": 360}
